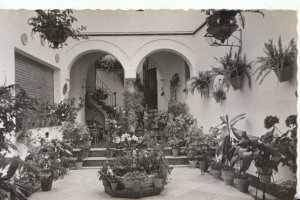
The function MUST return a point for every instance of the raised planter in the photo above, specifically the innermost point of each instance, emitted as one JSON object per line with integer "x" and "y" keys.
{"x": 285, "y": 74}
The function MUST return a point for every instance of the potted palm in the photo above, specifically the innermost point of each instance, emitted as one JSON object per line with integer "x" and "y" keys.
{"x": 55, "y": 26}
{"x": 222, "y": 23}
{"x": 201, "y": 83}
{"x": 234, "y": 68}
{"x": 277, "y": 59}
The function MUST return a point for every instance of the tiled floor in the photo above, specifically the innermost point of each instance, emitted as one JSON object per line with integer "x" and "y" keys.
{"x": 186, "y": 184}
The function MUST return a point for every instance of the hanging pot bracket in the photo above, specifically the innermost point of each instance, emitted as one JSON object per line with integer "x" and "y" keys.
{"x": 235, "y": 40}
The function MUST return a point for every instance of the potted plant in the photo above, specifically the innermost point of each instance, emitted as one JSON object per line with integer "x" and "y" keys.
{"x": 135, "y": 178}
{"x": 192, "y": 140}
{"x": 277, "y": 59}
{"x": 234, "y": 69}
{"x": 76, "y": 133}
{"x": 56, "y": 26}
{"x": 222, "y": 23}
{"x": 201, "y": 83}
{"x": 215, "y": 169}
{"x": 82, "y": 154}
{"x": 175, "y": 144}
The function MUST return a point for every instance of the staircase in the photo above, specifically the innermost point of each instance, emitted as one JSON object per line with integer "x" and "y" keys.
{"x": 98, "y": 156}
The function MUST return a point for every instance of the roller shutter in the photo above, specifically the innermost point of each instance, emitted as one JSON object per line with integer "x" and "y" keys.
{"x": 35, "y": 78}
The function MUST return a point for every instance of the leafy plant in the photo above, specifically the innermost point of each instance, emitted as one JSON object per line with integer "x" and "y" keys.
{"x": 218, "y": 93}
{"x": 59, "y": 20}
{"x": 201, "y": 81}
{"x": 76, "y": 133}
{"x": 275, "y": 59}
{"x": 233, "y": 65}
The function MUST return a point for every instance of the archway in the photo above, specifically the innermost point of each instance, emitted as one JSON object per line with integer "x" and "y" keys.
{"x": 100, "y": 87}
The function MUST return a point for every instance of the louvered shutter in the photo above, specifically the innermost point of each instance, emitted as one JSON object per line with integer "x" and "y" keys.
{"x": 35, "y": 78}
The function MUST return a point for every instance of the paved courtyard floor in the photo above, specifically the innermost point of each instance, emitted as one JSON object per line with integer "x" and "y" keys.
{"x": 186, "y": 184}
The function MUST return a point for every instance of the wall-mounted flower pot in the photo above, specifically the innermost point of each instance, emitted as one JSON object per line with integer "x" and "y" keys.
{"x": 228, "y": 177}
{"x": 265, "y": 174}
{"x": 284, "y": 74}
{"x": 175, "y": 152}
{"x": 205, "y": 91}
{"x": 243, "y": 185}
{"x": 236, "y": 82}
{"x": 216, "y": 173}
{"x": 46, "y": 183}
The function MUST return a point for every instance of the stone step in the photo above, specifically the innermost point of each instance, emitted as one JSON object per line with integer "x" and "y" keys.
{"x": 99, "y": 161}
{"x": 101, "y": 152}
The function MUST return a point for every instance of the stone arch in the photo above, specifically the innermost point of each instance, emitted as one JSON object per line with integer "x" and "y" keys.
{"x": 169, "y": 45}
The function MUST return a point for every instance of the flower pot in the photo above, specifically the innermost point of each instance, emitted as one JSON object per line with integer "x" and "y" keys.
{"x": 265, "y": 174}
{"x": 236, "y": 82}
{"x": 228, "y": 177}
{"x": 203, "y": 165}
{"x": 46, "y": 183}
{"x": 243, "y": 185}
{"x": 57, "y": 35}
{"x": 114, "y": 186}
{"x": 284, "y": 74}
{"x": 78, "y": 165}
{"x": 159, "y": 182}
{"x": 205, "y": 91}
{"x": 136, "y": 186}
{"x": 175, "y": 152}
{"x": 216, "y": 173}
{"x": 193, "y": 163}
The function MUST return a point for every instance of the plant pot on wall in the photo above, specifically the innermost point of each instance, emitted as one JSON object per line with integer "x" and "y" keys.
{"x": 284, "y": 74}
{"x": 205, "y": 91}
{"x": 236, "y": 82}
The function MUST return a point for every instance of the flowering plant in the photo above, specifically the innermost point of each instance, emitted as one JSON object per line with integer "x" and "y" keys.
{"x": 135, "y": 176}
{"x": 67, "y": 110}
{"x": 76, "y": 133}
{"x": 126, "y": 141}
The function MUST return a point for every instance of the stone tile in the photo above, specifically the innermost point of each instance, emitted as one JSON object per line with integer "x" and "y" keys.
{"x": 186, "y": 184}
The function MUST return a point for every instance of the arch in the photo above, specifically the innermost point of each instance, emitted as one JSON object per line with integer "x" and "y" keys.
{"x": 169, "y": 45}
{"x": 90, "y": 46}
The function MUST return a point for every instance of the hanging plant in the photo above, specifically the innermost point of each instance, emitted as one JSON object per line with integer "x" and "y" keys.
{"x": 277, "y": 59}
{"x": 222, "y": 23}
{"x": 201, "y": 83}
{"x": 219, "y": 93}
{"x": 234, "y": 68}
{"x": 56, "y": 26}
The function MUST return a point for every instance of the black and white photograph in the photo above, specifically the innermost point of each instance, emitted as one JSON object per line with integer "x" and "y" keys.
{"x": 148, "y": 101}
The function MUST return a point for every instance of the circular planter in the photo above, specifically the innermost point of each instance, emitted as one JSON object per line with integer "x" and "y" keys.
{"x": 243, "y": 185}
{"x": 175, "y": 152}
{"x": 114, "y": 186}
{"x": 193, "y": 163}
{"x": 216, "y": 173}
{"x": 78, "y": 165}
{"x": 159, "y": 182}
{"x": 265, "y": 174}
{"x": 46, "y": 183}
{"x": 228, "y": 177}
{"x": 203, "y": 165}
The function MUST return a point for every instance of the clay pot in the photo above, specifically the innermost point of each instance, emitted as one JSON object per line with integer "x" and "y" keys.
{"x": 46, "y": 183}
{"x": 284, "y": 74}
{"x": 193, "y": 163}
{"x": 243, "y": 185}
{"x": 78, "y": 165}
{"x": 175, "y": 152}
{"x": 264, "y": 174}
{"x": 228, "y": 177}
{"x": 203, "y": 166}
{"x": 114, "y": 186}
{"x": 216, "y": 173}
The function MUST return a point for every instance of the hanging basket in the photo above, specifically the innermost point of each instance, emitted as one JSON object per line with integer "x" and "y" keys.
{"x": 284, "y": 74}
{"x": 221, "y": 24}
{"x": 236, "y": 82}
{"x": 57, "y": 35}
{"x": 205, "y": 91}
